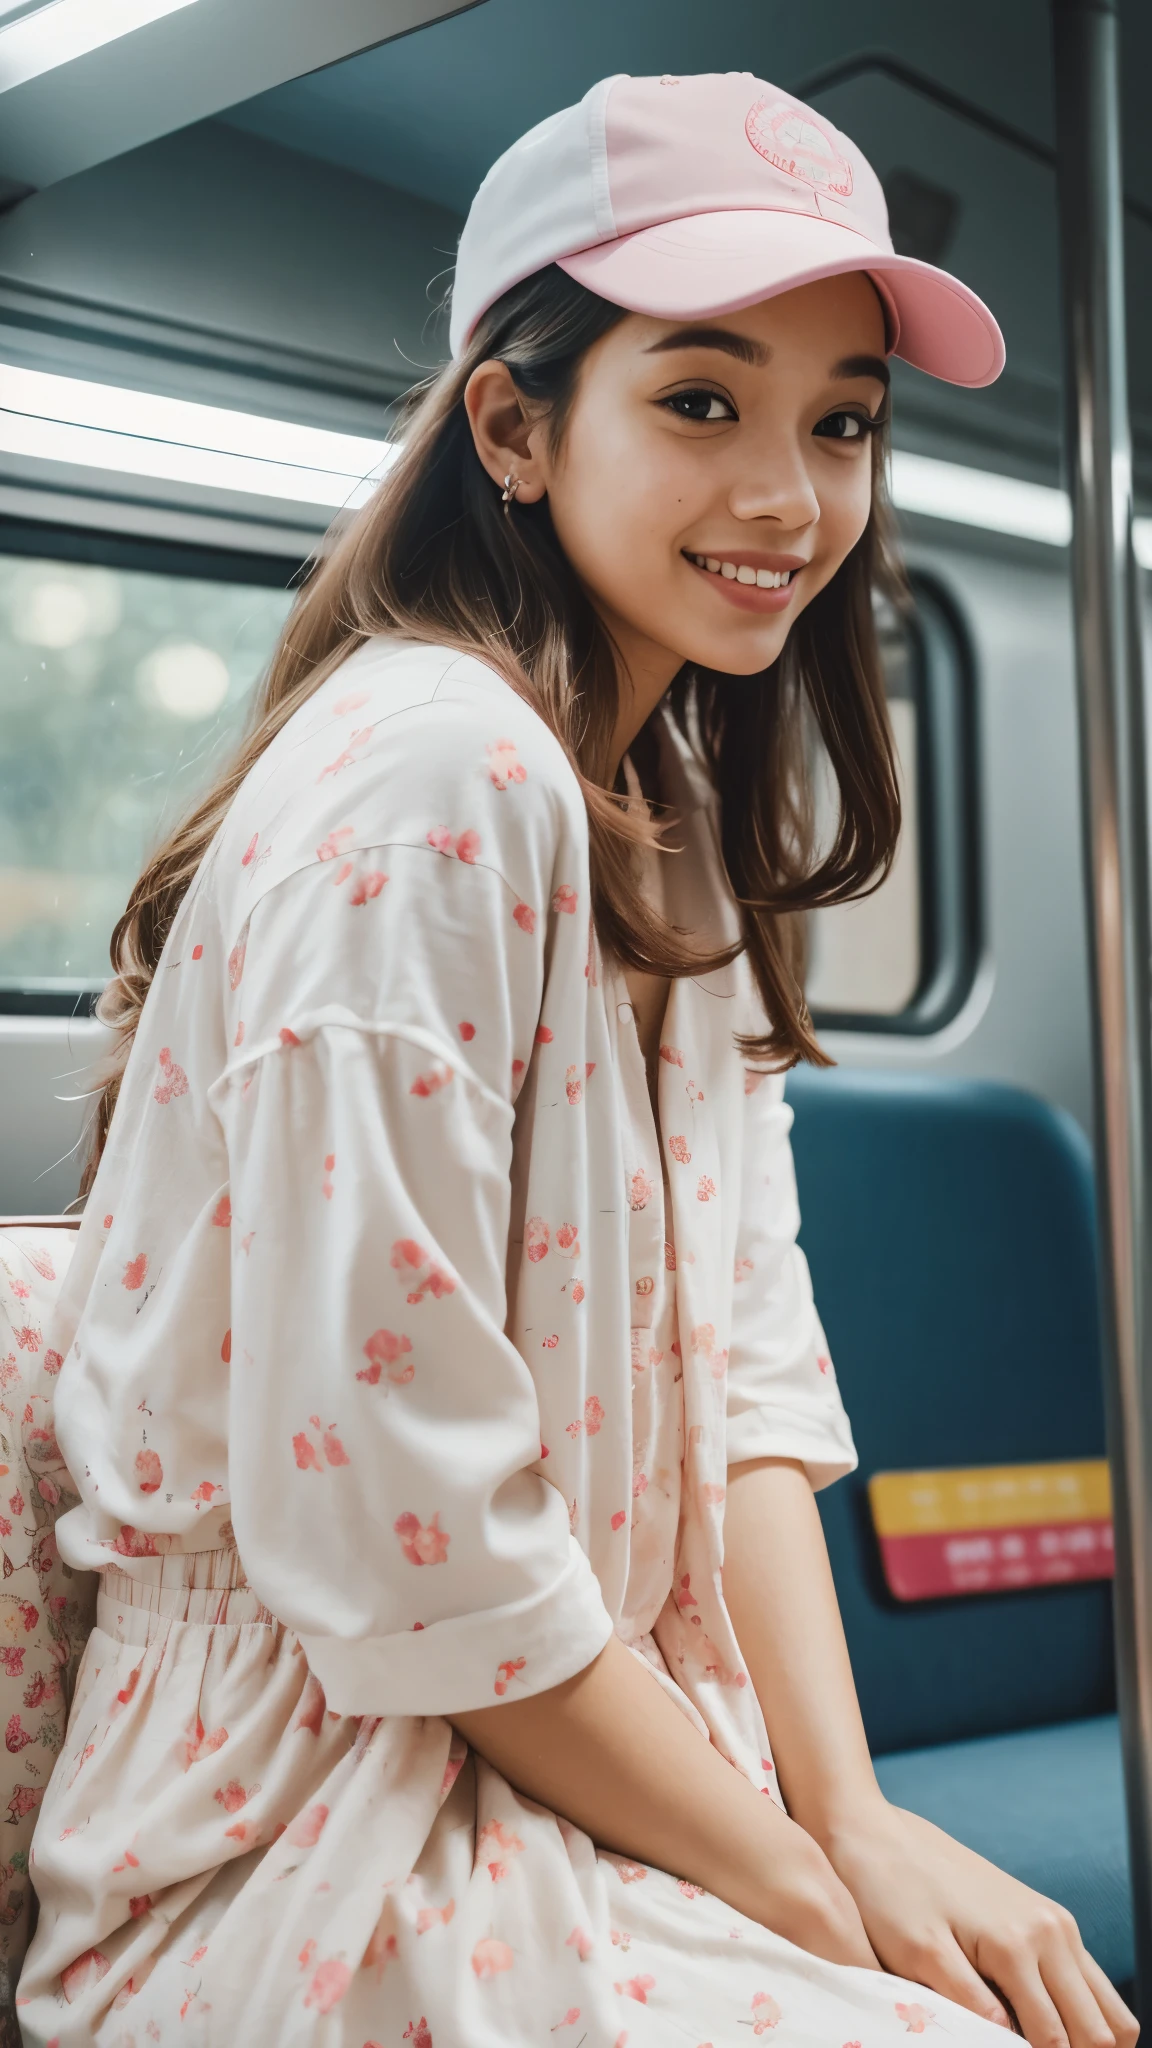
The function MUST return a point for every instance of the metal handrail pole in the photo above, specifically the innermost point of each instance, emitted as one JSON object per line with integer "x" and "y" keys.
{"x": 1118, "y": 876}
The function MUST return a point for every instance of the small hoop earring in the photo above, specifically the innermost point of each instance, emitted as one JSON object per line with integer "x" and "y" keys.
{"x": 508, "y": 494}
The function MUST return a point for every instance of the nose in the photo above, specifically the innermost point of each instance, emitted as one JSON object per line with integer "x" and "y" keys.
{"x": 774, "y": 484}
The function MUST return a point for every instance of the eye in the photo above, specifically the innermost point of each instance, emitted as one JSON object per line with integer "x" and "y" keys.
{"x": 704, "y": 406}
{"x": 846, "y": 426}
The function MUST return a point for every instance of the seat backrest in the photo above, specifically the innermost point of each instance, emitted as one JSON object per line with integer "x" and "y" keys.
{"x": 950, "y": 1229}
{"x": 45, "y": 1609}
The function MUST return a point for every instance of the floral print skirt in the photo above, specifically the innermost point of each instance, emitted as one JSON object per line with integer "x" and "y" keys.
{"x": 220, "y": 1859}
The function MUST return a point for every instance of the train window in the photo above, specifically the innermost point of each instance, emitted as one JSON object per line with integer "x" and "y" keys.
{"x": 902, "y": 959}
{"x": 125, "y": 676}
{"x": 126, "y": 672}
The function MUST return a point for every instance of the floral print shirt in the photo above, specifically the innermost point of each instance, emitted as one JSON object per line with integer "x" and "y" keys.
{"x": 359, "y": 1285}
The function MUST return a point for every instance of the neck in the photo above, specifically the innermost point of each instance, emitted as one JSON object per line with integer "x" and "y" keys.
{"x": 644, "y": 671}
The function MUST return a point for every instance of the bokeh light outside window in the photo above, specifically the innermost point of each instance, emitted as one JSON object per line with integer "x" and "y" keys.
{"x": 122, "y": 692}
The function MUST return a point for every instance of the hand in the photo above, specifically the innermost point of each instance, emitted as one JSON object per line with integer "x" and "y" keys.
{"x": 939, "y": 1914}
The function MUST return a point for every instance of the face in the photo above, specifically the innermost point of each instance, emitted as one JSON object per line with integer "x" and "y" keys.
{"x": 712, "y": 476}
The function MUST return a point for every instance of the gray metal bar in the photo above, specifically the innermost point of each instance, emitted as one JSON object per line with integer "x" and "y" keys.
{"x": 1118, "y": 876}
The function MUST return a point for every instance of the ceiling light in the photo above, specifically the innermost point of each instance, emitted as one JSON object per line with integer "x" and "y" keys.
{"x": 173, "y": 440}
{"x": 63, "y": 29}
{"x": 103, "y": 426}
{"x": 976, "y": 497}
{"x": 997, "y": 504}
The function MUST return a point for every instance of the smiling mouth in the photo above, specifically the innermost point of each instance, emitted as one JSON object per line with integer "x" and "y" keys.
{"x": 758, "y": 579}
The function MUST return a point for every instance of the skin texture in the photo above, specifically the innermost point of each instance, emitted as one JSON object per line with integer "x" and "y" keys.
{"x": 755, "y": 450}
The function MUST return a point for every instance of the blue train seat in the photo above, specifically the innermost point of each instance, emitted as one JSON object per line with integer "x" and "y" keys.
{"x": 951, "y": 1234}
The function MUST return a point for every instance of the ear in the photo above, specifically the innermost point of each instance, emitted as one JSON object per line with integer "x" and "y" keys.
{"x": 503, "y": 432}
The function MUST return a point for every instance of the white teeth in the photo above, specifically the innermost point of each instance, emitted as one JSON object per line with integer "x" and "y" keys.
{"x": 764, "y": 579}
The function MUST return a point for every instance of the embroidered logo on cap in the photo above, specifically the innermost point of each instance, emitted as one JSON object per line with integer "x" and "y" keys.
{"x": 787, "y": 136}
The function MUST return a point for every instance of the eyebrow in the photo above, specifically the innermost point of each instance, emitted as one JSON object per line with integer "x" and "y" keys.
{"x": 864, "y": 366}
{"x": 741, "y": 346}
{"x": 757, "y": 353}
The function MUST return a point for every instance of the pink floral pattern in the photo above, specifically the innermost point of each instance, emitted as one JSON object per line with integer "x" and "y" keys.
{"x": 173, "y": 1080}
{"x": 496, "y": 1846}
{"x": 390, "y": 1353}
{"x": 431, "y": 1081}
{"x": 422, "y": 1545}
{"x": 490, "y": 1957}
{"x": 766, "y": 2014}
{"x": 465, "y": 845}
{"x": 46, "y": 1610}
{"x": 916, "y": 2017}
{"x": 366, "y": 887}
{"x": 505, "y": 766}
{"x": 420, "y": 1271}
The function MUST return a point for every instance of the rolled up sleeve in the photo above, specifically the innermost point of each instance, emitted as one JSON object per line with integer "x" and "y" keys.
{"x": 384, "y": 1430}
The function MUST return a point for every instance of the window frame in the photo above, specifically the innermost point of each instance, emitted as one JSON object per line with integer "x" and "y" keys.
{"x": 110, "y": 550}
{"x": 951, "y": 923}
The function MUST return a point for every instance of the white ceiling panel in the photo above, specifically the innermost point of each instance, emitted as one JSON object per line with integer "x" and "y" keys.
{"x": 192, "y": 61}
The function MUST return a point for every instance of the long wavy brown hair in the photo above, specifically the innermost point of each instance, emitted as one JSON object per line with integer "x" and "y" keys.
{"x": 435, "y": 556}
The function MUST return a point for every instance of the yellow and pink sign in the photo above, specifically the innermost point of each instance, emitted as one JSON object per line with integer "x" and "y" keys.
{"x": 992, "y": 1528}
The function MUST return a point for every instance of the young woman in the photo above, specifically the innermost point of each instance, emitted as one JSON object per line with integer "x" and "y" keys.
{"x": 443, "y": 1384}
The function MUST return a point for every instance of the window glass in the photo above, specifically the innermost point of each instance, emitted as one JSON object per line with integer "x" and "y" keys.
{"x": 865, "y": 959}
{"x": 122, "y": 692}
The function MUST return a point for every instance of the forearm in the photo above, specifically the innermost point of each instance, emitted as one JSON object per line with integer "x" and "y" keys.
{"x": 781, "y": 1597}
{"x": 611, "y": 1752}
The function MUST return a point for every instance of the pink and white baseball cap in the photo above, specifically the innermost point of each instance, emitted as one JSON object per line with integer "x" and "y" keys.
{"x": 689, "y": 197}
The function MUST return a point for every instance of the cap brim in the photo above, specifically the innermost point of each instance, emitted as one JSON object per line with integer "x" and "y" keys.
{"x": 711, "y": 263}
